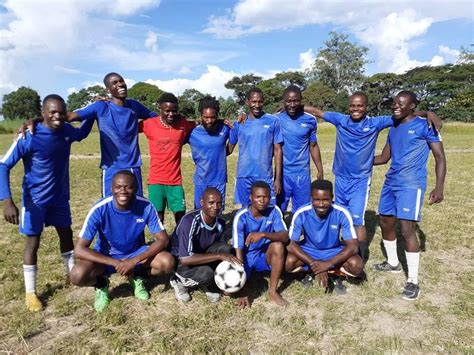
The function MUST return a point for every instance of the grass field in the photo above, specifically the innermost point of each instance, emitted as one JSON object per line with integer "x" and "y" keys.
{"x": 369, "y": 318}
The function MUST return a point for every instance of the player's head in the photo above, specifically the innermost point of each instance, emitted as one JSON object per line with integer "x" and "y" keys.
{"x": 54, "y": 111}
{"x": 124, "y": 188}
{"x": 404, "y": 104}
{"x": 211, "y": 202}
{"x": 115, "y": 86}
{"x": 254, "y": 101}
{"x": 209, "y": 109}
{"x": 321, "y": 196}
{"x": 292, "y": 100}
{"x": 168, "y": 104}
{"x": 358, "y": 105}
{"x": 260, "y": 195}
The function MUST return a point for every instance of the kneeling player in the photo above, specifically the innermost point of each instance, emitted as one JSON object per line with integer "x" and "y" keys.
{"x": 259, "y": 236}
{"x": 321, "y": 250}
{"x": 120, "y": 220}
{"x": 199, "y": 244}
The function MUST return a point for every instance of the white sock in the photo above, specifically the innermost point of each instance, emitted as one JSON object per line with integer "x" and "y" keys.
{"x": 30, "y": 272}
{"x": 413, "y": 263}
{"x": 68, "y": 260}
{"x": 391, "y": 250}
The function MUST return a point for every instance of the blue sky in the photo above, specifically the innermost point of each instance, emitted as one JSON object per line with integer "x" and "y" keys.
{"x": 62, "y": 46}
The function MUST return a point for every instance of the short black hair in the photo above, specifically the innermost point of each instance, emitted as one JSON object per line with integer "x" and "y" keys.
{"x": 292, "y": 88}
{"x": 53, "y": 97}
{"x": 362, "y": 94}
{"x": 254, "y": 90}
{"x": 259, "y": 184}
{"x": 127, "y": 173}
{"x": 209, "y": 102}
{"x": 322, "y": 185}
{"x": 410, "y": 94}
{"x": 210, "y": 190}
{"x": 167, "y": 97}
{"x": 107, "y": 77}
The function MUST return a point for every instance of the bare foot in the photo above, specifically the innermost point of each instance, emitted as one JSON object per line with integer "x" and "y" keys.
{"x": 275, "y": 297}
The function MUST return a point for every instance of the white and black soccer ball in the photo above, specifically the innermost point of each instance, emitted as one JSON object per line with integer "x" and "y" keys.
{"x": 230, "y": 277}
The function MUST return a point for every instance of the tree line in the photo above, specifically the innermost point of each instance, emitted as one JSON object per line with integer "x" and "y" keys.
{"x": 337, "y": 72}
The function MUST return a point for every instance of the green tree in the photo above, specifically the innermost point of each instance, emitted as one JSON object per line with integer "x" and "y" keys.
{"x": 242, "y": 84}
{"x": 85, "y": 96}
{"x": 228, "y": 108}
{"x": 380, "y": 89}
{"x": 340, "y": 65}
{"x": 288, "y": 78}
{"x": 23, "y": 103}
{"x": 320, "y": 95}
{"x": 466, "y": 56}
{"x": 460, "y": 108}
{"x": 147, "y": 94}
{"x": 189, "y": 103}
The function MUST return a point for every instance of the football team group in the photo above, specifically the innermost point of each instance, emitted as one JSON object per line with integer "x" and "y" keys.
{"x": 326, "y": 241}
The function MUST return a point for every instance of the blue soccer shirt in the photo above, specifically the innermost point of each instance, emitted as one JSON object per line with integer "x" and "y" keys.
{"x": 355, "y": 143}
{"x": 118, "y": 127}
{"x": 120, "y": 232}
{"x": 297, "y": 134}
{"x": 244, "y": 224}
{"x": 209, "y": 155}
{"x": 409, "y": 146}
{"x": 45, "y": 158}
{"x": 322, "y": 234}
{"x": 256, "y": 137}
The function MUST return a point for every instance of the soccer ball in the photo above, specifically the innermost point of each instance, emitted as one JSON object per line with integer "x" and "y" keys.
{"x": 229, "y": 277}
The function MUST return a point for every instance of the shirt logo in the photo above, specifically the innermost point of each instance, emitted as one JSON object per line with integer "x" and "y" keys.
{"x": 269, "y": 222}
{"x": 366, "y": 129}
{"x": 221, "y": 133}
{"x": 411, "y": 131}
{"x": 304, "y": 125}
{"x": 333, "y": 226}
{"x": 406, "y": 209}
{"x": 140, "y": 220}
{"x": 66, "y": 139}
{"x": 266, "y": 126}
{"x": 356, "y": 216}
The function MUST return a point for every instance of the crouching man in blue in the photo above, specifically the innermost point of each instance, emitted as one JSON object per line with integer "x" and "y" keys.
{"x": 321, "y": 250}
{"x": 199, "y": 244}
{"x": 120, "y": 221}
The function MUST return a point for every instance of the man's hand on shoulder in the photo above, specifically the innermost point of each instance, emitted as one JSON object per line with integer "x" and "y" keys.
{"x": 29, "y": 125}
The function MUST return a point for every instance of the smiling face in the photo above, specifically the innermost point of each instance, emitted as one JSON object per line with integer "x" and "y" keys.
{"x": 321, "y": 200}
{"x": 357, "y": 107}
{"x": 292, "y": 103}
{"x": 211, "y": 204}
{"x": 403, "y": 107}
{"x": 169, "y": 112}
{"x": 54, "y": 114}
{"x": 116, "y": 87}
{"x": 123, "y": 191}
{"x": 255, "y": 104}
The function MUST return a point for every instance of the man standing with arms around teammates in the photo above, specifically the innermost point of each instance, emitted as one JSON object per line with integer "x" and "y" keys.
{"x": 259, "y": 139}
{"x": 45, "y": 197}
{"x": 299, "y": 142}
{"x": 408, "y": 144}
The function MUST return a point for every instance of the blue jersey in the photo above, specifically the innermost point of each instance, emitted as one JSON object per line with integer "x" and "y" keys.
{"x": 120, "y": 232}
{"x": 244, "y": 224}
{"x": 409, "y": 145}
{"x": 45, "y": 158}
{"x": 209, "y": 154}
{"x": 297, "y": 134}
{"x": 256, "y": 137}
{"x": 322, "y": 234}
{"x": 355, "y": 143}
{"x": 193, "y": 235}
{"x": 118, "y": 127}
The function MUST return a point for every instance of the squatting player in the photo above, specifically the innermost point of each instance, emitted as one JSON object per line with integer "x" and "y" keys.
{"x": 199, "y": 244}
{"x": 299, "y": 142}
{"x": 259, "y": 236}
{"x": 259, "y": 139}
{"x": 330, "y": 240}
{"x": 408, "y": 144}
{"x": 353, "y": 158}
{"x": 209, "y": 148}
{"x": 119, "y": 221}
{"x": 45, "y": 196}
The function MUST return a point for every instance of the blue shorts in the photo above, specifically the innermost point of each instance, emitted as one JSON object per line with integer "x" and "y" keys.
{"x": 109, "y": 270}
{"x": 353, "y": 194}
{"x": 322, "y": 255}
{"x": 199, "y": 190}
{"x": 242, "y": 190}
{"x": 402, "y": 202}
{"x": 256, "y": 260}
{"x": 108, "y": 174}
{"x": 34, "y": 218}
{"x": 296, "y": 187}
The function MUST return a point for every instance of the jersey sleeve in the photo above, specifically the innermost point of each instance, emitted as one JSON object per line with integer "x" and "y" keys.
{"x": 142, "y": 111}
{"x": 91, "y": 225}
{"x": 17, "y": 150}
{"x": 185, "y": 248}
{"x": 234, "y": 133}
{"x": 347, "y": 227}
{"x": 221, "y": 237}
{"x": 154, "y": 224}
{"x": 83, "y": 131}
{"x": 296, "y": 227}
{"x": 333, "y": 117}
{"x": 91, "y": 111}
{"x": 277, "y": 135}
{"x": 278, "y": 222}
{"x": 313, "y": 136}
{"x": 432, "y": 135}
{"x": 382, "y": 122}
{"x": 238, "y": 232}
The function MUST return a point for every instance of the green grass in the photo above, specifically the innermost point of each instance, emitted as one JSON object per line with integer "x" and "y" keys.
{"x": 371, "y": 318}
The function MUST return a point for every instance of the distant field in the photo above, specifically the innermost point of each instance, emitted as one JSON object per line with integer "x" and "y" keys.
{"x": 369, "y": 318}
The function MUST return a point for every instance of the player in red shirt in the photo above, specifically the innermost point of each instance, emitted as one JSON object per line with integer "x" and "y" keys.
{"x": 166, "y": 136}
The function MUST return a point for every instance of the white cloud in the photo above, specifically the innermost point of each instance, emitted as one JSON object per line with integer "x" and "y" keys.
{"x": 66, "y": 70}
{"x": 151, "y": 41}
{"x": 306, "y": 59}
{"x": 451, "y": 55}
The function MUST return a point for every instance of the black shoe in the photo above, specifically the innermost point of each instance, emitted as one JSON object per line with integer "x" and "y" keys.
{"x": 307, "y": 280}
{"x": 411, "y": 291}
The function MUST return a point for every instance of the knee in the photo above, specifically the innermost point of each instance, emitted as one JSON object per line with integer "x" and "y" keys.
{"x": 164, "y": 262}
{"x": 290, "y": 263}
{"x": 32, "y": 244}
{"x": 277, "y": 249}
{"x": 408, "y": 230}
{"x": 355, "y": 265}
{"x": 77, "y": 276}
